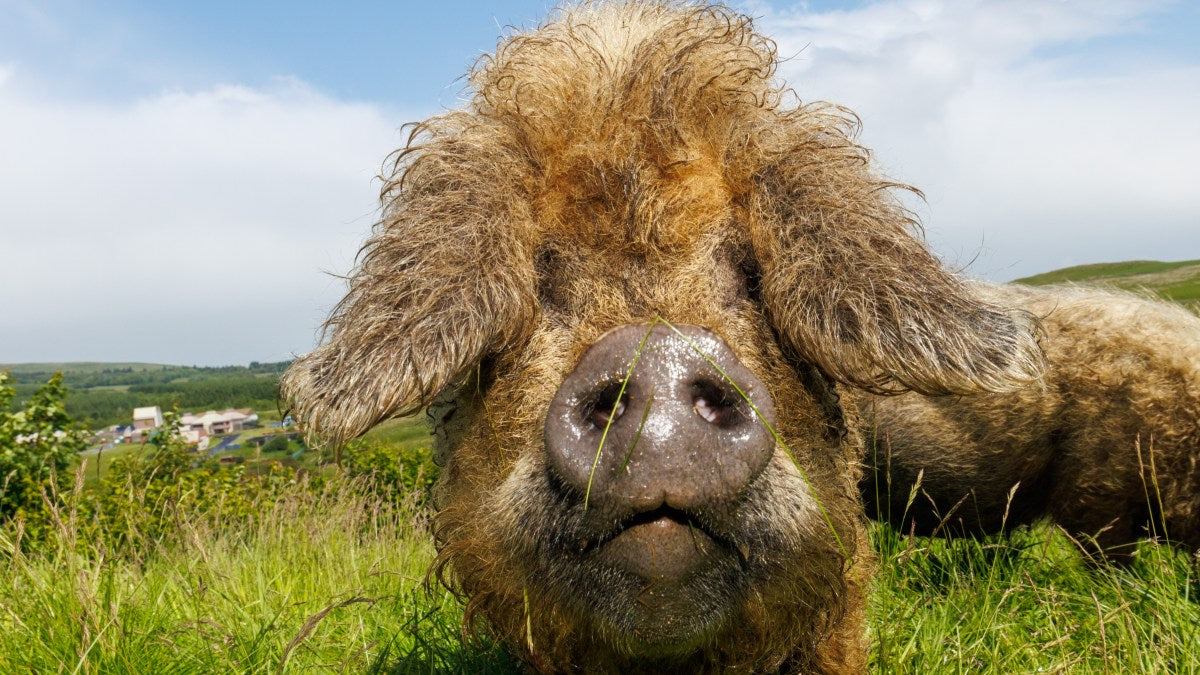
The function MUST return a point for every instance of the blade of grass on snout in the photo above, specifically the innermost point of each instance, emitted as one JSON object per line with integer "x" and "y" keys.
{"x": 613, "y": 413}
{"x": 771, "y": 429}
{"x": 638, "y": 434}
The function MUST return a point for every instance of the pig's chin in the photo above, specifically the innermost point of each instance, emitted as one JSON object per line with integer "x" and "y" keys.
{"x": 662, "y": 584}
{"x": 653, "y": 584}
{"x": 658, "y": 583}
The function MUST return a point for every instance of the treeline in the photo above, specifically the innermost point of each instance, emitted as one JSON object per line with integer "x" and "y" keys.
{"x": 108, "y": 397}
{"x": 128, "y": 376}
{"x": 106, "y": 407}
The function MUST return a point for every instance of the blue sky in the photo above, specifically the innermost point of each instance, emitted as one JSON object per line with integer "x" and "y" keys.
{"x": 400, "y": 54}
{"x": 391, "y": 53}
{"x": 208, "y": 163}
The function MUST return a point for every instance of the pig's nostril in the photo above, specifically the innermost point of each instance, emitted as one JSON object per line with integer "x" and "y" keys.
{"x": 607, "y": 405}
{"x": 716, "y": 404}
{"x": 712, "y": 413}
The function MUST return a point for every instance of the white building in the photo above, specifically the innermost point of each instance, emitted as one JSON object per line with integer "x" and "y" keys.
{"x": 213, "y": 422}
{"x": 145, "y": 420}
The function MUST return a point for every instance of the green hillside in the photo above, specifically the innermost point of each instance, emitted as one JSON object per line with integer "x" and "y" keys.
{"x": 1178, "y": 281}
{"x": 102, "y": 394}
{"x": 78, "y": 367}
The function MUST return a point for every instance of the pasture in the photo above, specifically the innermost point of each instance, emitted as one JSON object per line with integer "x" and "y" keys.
{"x": 329, "y": 577}
{"x": 1178, "y": 281}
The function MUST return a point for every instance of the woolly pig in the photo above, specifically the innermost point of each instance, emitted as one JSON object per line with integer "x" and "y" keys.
{"x": 1108, "y": 445}
{"x": 633, "y": 287}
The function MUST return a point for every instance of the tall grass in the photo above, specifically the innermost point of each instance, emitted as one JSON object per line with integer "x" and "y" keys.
{"x": 327, "y": 580}
{"x": 331, "y": 580}
{"x": 1030, "y": 602}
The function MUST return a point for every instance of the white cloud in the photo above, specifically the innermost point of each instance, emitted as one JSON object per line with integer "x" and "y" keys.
{"x": 187, "y": 226}
{"x": 1041, "y": 160}
{"x": 193, "y": 225}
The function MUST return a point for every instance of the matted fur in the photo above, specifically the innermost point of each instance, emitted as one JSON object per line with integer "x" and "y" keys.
{"x": 626, "y": 161}
{"x": 643, "y": 124}
{"x": 1108, "y": 446}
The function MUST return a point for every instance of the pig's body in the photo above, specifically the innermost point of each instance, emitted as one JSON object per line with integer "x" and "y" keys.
{"x": 1108, "y": 445}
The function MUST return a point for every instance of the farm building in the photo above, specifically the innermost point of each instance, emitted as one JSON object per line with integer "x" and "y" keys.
{"x": 145, "y": 420}
{"x": 213, "y": 422}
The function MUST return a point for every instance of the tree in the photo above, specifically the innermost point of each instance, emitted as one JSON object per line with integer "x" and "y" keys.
{"x": 37, "y": 445}
{"x": 278, "y": 443}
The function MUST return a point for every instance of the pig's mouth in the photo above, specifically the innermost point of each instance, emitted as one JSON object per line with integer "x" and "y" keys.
{"x": 664, "y": 544}
{"x": 661, "y": 580}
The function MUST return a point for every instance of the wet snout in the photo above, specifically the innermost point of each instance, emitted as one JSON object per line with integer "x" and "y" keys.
{"x": 659, "y": 443}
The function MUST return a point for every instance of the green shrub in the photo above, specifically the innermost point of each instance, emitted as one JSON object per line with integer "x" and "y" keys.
{"x": 37, "y": 445}
{"x": 390, "y": 466}
{"x": 139, "y": 501}
{"x": 278, "y": 443}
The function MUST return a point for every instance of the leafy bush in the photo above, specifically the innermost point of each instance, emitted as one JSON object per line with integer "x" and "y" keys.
{"x": 37, "y": 445}
{"x": 390, "y": 466}
{"x": 141, "y": 497}
{"x": 278, "y": 443}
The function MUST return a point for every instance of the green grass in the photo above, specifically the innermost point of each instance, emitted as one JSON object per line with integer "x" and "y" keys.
{"x": 1187, "y": 291}
{"x": 78, "y": 367}
{"x": 1177, "y": 281}
{"x": 407, "y": 432}
{"x": 333, "y": 581}
{"x": 1097, "y": 271}
{"x": 119, "y": 388}
{"x": 1029, "y": 603}
{"x": 98, "y": 463}
{"x": 324, "y": 582}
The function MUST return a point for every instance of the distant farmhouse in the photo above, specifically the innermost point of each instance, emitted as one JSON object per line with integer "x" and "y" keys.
{"x": 145, "y": 420}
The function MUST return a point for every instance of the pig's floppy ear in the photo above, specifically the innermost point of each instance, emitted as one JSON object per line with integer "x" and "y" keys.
{"x": 445, "y": 279}
{"x": 850, "y": 288}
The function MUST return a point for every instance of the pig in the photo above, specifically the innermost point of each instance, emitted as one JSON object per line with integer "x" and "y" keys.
{"x": 637, "y": 287}
{"x": 1107, "y": 445}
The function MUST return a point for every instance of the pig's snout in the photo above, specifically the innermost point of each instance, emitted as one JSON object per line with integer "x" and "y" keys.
{"x": 659, "y": 448}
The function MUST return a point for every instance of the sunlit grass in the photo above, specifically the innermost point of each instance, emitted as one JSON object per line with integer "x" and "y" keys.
{"x": 1029, "y": 602}
{"x": 332, "y": 580}
{"x": 324, "y": 581}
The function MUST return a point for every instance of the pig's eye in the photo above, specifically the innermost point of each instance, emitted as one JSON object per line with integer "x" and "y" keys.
{"x": 751, "y": 275}
{"x": 717, "y": 404}
{"x": 547, "y": 265}
{"x": 603, "y": 408}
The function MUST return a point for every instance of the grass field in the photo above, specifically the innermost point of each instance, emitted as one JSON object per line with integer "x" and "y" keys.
{"x": 323, "y": 582}
{"x": 1178, "y": 281}
{"x": 407, "y": 432}
{"x": 99, "y": 462}
{"x": 1030, "y": 603}
{"x": 78, "y": 367}
{"x": 334, "y": 582}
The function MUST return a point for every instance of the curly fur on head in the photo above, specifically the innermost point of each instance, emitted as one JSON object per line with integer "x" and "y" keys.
{"x": 643, "y": 123}
{"x": 1108, "y": 446}
{"x": 625, "y": 161}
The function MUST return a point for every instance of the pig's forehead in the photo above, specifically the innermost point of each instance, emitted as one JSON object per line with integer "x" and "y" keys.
{"x": 624, "y": 204}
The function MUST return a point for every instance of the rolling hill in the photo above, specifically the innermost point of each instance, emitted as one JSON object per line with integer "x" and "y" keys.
{"x": 106, "y": 393}
{"x": 1178, "y": 281}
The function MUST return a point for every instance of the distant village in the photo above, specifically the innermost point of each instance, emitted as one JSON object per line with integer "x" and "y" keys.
{"x": 195, "y": 429}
